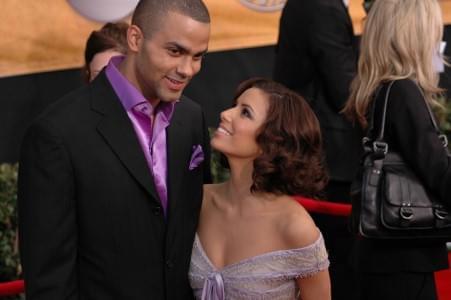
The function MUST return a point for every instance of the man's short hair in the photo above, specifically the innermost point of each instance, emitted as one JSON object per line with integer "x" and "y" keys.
{"x": 149, "y": 14}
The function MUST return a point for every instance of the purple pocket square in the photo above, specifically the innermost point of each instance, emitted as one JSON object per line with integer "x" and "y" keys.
{"x": 196, "y": 158}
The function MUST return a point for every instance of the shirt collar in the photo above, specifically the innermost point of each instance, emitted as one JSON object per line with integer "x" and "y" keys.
{"x": 128, "y": 94}
{"x": 346, "y": 2}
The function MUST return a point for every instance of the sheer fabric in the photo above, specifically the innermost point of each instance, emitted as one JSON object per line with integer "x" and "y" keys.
{"x": 269, "y": 276}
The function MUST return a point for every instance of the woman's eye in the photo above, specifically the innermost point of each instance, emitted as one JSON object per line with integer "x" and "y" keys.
{"x": 246, "y": 113}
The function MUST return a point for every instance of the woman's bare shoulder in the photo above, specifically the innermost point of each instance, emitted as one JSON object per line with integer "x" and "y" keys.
{"x": 298, "y": 228}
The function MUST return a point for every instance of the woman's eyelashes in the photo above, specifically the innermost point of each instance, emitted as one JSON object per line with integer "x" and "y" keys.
{"x": 246, "y": 112}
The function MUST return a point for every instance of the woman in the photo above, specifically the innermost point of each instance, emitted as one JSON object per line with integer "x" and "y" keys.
{"x": 399, "y": 43}
{"x": 102, "y": 44}
{"x": 254, "y": 241}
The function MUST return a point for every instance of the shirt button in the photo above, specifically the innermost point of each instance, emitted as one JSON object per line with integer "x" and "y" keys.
{"x": 169, "y": 264}
{"x": 156, "y": 210}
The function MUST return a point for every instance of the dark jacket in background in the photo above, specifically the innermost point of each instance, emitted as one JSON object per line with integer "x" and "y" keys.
{"x": 316, "y": 55}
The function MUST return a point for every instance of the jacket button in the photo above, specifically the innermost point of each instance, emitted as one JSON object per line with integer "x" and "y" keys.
{"x": 156, "y": 210}
{"x": 169, "y": 264}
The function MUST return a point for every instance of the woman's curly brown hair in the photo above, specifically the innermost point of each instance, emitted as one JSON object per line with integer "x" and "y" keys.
{"x": 290, "y": 139}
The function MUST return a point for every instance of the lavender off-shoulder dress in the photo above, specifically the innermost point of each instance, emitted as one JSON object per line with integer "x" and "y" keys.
{"x": 269, "y": 276}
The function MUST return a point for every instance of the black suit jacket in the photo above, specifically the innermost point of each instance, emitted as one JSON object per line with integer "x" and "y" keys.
{"x": 409, "y": 131}
{"x": 91, "y": 223}
{"x": 316, "y": 55}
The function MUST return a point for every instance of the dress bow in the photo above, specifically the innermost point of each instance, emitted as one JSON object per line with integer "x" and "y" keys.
{"x": 213, "y": 288}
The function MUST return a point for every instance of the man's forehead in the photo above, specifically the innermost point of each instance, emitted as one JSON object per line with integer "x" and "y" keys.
{"x": 153, "y": 23}
{"x": 184, "y": 32}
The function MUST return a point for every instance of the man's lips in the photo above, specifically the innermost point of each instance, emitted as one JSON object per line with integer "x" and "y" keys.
{"x": 175, "y": 84}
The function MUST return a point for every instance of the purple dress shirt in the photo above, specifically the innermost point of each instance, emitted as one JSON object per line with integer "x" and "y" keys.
{"x": 151, "y": 138}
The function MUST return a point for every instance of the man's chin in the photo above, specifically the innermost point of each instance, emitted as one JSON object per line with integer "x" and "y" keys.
{"x": 168, "y": 100}
{"x": 170, "y": 96}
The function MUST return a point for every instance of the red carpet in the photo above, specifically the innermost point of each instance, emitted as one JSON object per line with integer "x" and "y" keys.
{"x": 11, "y": 288}
{"x": 443, "y": 281}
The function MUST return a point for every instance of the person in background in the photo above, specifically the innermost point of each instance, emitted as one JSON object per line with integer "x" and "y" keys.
{"x": 400, "y": 41}
{"x": 102, "y": 44}
{"x": 254, "y": 241}
{"x": 111, "y": 175}
{"x": 316, "y": 56}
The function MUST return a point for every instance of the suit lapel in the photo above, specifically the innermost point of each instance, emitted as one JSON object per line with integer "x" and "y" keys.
{"x": 118, "y": 132}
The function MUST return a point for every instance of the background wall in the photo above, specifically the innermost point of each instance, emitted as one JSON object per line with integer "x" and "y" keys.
{"x": 48, "y": 35}
{"x": 35, "y": 85}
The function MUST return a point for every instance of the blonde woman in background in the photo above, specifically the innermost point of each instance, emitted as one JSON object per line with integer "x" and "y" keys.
{"x": 400, "y": 40}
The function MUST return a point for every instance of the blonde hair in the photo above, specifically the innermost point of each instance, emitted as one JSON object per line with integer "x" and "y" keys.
{"x": 399, "y": 41}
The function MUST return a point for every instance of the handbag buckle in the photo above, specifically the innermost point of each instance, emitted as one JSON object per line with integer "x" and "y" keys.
{"x": 440, "y": 214}
{"x": 380, "y": 148}
{"x": 366, "y": 143}
{"x": 406, "y": 212}
{"x": 444, "y": 140}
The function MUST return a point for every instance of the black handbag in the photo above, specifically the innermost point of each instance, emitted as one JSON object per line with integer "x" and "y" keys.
{"x": 388, "y": 200}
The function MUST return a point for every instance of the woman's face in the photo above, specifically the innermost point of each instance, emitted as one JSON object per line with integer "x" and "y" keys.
{"x": 239, "y": 126}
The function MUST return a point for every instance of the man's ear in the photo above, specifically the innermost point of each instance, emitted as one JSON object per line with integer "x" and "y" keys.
{"x": 134, "y": 38}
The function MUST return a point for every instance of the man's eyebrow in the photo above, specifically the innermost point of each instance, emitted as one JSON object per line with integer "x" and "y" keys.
{"x": 184, "y": 49}
{"x": 201, "y": 53}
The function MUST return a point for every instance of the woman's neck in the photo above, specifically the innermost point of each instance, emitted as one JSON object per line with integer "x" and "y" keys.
{"x": 238, "y": 187}
{"x": 240, "y": 180}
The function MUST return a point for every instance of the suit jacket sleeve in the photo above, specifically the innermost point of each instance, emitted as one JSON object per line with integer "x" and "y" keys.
{"x": 47, "y": 216}
{"x": 331, "y": 43}
{"x": 413, "y": 134}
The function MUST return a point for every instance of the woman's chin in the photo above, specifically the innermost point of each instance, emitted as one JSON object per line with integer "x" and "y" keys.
{"x": 215, "y": 144}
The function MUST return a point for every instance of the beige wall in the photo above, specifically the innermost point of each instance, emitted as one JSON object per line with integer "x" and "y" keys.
{"x": 46, "y": 35}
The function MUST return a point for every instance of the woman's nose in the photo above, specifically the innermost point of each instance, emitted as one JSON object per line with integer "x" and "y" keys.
{"x": 226, "y": 115}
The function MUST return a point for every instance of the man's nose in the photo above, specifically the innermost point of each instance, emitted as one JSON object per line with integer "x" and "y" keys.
{"x": 188, "y": 67}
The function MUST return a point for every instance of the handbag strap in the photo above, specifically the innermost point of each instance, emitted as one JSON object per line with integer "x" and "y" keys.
{"x": 381, "y": 134}
{"x": 441, "y": 136}
{"x": 379, "y": 146}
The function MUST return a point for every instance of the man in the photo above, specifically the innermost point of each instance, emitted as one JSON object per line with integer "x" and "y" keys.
{"x": 110, "y": 182}
{"x": 317, "y": 57}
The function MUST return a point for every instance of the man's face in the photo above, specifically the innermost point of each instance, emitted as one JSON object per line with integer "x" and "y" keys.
{"x": 168, "y": 59}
